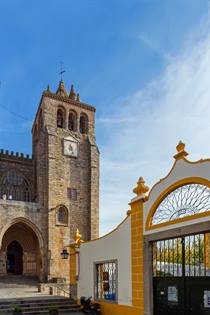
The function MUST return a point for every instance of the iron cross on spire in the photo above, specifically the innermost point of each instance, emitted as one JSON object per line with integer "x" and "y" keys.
{"x": 62, "y": 70}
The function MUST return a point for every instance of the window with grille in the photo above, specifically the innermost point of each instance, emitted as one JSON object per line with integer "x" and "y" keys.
{"x": 106, "y": 281}
{"x": 72, "y": 193}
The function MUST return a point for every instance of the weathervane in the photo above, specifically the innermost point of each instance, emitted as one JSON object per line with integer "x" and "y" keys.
{"x": 62, "y": 71}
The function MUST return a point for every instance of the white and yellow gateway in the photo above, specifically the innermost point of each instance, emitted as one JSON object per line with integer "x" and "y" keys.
{"x": 157, "y": 261}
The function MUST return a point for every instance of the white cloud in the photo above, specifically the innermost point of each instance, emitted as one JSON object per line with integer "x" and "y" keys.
{"x": 144, "y": 130}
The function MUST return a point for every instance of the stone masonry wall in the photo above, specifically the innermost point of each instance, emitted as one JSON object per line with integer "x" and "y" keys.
{"x": 57, "y": 172}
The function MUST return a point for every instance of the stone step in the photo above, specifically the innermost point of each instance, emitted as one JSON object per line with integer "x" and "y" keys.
{"x": 43, "y": 300}
{"x": 45, "y": 312}
{"x": 40, "y": 306}
{"x": 33, "y": 306}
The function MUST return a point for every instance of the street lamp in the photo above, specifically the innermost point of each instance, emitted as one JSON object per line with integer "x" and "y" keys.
{"x": 64, "y": 254}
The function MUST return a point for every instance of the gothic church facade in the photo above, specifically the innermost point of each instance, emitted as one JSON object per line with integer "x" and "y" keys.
{"x": 44, "y": 199}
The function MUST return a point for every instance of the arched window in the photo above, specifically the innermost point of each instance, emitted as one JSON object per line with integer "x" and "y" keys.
{"x": 62, "y": 215}
{"x": 60, "y": 118}
{"x": 13, "y": 186}
{"x": 83, "y": 124}
{"x": 72, "y": 121}
{"x": 186, "y": 200}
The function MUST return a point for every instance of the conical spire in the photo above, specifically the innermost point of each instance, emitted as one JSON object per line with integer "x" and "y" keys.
{"x": 48, "y": 88}
{"x": 61, "y": 91}
{"x": 78, "y": 97}
{"x": 72, "y": 94}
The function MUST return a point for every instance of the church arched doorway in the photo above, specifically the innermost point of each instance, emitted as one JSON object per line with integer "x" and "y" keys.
{"x": 21, "y": 251}
{"x": 14, "y": 258}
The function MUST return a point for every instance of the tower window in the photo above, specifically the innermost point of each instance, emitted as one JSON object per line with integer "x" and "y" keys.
{"x": 62, "y": 215}
{"x": 83, "y": 124}
{"x": 60, "y": 118}
{"x": 72, "y": 193}
{"x": 72, "y": 121}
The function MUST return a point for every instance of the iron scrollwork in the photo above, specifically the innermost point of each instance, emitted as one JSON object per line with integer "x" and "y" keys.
{"x": 186, "y": 200}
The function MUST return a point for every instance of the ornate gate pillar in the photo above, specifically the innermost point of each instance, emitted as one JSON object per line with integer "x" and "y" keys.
{"x": 137, "y": 245}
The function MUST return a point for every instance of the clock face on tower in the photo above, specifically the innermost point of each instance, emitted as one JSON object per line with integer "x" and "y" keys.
{"x": 70, "y": 147}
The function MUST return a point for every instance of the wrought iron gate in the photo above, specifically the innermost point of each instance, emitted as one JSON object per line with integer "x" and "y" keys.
{"x": 181, "y": 275}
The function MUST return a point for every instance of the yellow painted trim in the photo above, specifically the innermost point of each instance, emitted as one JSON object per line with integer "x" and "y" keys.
{"x": 162, "y": 179}
{"x": 99, "y": 238}
{"x": 137, "y": 255}
{"x": 173, "y": 166}
{"x": 117, "y": 309}
{"x": 197, "y": 162}
{"x": 165, "y": 193}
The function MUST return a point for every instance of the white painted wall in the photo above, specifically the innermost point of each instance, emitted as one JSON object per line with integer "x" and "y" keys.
{"x": 116, "y": 245}
{"x": 181, "y": 170}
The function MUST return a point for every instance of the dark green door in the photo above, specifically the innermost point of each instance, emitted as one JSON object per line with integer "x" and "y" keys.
{"x": 197, "y": 294}
{"x": 181, "y": 275}
{"x": 169, "y": 296}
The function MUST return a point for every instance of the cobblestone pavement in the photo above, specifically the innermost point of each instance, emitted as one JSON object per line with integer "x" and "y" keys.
{"x": 18, "y": 286}
{"x": 14, "y": 287}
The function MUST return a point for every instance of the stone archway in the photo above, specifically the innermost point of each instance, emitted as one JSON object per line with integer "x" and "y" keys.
{"x": 20, "y": 251}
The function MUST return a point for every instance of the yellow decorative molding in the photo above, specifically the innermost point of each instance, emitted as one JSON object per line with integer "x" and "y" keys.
{"x": 181, "y": 153}
{"x": 201, "y": 161}
{"x": 165, "y": 193}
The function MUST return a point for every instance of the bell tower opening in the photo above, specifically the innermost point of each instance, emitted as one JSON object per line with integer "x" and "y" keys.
{"x": 14, "y": 258}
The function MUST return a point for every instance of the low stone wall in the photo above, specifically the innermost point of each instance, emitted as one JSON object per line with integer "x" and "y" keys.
{"x": 60, "y": 289}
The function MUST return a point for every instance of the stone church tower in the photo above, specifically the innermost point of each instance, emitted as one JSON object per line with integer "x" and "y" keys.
{"x": 61, "y": 191}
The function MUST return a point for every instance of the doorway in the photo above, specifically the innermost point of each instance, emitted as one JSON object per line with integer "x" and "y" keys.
{"x": 181, "y": 275}
{"x": 14, "y": 258}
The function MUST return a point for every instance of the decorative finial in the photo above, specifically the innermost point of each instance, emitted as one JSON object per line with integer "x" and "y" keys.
{"x": 61, "y": 91}
{"x": 78, "y": 238}
{"x": 48, "y": 88}
{"x": 141, "y": 188}
{"x": 78, "y": 97}
{"x": 181, "y": 153}
{"x": 72, "y": 94}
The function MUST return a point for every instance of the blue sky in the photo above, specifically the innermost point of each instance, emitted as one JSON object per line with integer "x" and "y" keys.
{"x": 143, "y": 63}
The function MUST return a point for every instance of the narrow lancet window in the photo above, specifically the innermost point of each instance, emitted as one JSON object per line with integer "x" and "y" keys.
{"x": 60, "y": 118}
{"x": 72, "y": 121}
{"x": 83, "y": 124}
